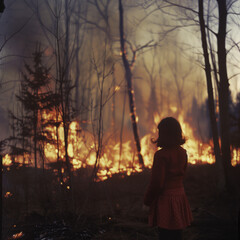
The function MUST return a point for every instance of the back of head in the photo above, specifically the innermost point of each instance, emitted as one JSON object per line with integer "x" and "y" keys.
{"x": 170, "y": 133}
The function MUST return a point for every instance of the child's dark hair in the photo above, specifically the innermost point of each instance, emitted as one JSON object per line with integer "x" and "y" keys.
{"x": 169, "y": 133}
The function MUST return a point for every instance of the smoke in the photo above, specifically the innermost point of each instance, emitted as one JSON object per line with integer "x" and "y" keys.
{"x": 166, "y": 70}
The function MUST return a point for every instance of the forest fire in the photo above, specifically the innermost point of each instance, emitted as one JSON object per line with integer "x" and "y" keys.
{"x": 115, "y": 158}
{"x": 84, "y": 85}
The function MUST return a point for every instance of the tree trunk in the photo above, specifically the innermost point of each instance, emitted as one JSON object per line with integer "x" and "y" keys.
{"x": 223, "y": 89}
{"x": 220, "y": 172}
{"x": 128, "y": 77}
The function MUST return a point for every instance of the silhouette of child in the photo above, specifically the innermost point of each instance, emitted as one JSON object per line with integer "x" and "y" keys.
{"x": 165, "y": 195}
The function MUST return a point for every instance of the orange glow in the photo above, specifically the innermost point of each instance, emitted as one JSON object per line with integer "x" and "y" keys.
{"x": 235, "y": 157}
{"x": 198, "y": 152}
{"x": 8, "y": 195}
{"x": 17, "y": 235}
{"x": 82, "y": 150}
{"x": 7, "y": 161}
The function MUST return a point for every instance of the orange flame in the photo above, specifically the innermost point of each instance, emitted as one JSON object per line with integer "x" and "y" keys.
{"x": 82, "y": 150}
{"x": 17, "y": 235}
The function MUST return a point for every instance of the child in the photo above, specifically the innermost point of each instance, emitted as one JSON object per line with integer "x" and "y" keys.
{"x": 169, "y": 207}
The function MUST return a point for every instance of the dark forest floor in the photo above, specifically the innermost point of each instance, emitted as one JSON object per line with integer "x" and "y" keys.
{"x": 112, "y": 209}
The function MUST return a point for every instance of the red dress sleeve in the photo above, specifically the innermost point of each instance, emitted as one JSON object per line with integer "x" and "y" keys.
{"x": 157, "y": 179}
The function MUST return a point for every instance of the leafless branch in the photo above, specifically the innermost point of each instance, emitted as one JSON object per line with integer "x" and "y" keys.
{"x": 233, "y": 76}
{"x": 92, "y": 23}
{"x": 134, "y": 51}
{"x": 234, "y": 44}
{"x": 180, "y": 6}
{"x": 231, "y": 4}
{"x": 15, "y": 33}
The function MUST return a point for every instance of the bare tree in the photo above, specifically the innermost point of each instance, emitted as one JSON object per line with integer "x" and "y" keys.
{"x": 224, "y": 95}
{"x": 103, "y": 73}
{"x": 222, "y": 81}
{"x": 128, "y": 76}
{"x": 211, "y": 105}
{"x": 103, "y": 25}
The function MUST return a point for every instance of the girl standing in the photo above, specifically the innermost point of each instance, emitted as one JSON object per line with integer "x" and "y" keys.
{"x": 169, "y": 207}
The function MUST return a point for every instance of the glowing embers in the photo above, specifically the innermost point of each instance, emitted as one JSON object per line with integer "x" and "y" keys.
{"x": 17, "y": 235}
{"x": 8, "y": 195}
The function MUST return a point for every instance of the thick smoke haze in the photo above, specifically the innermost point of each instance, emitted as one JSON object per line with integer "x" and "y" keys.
{"x": 167, "y": 72}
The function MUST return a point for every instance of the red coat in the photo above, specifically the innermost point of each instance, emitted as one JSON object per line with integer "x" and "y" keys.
{"x": 169, "y": 207}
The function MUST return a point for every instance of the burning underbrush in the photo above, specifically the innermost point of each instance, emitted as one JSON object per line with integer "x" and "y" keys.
{"x": 114, "y": 157}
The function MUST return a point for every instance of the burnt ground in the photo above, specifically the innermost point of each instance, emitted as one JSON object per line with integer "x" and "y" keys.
{"x": 41, "y": 208}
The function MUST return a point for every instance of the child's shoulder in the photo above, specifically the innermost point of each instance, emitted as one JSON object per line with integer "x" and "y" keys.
{"x": 167, "y": 151}
{"x": 183, "y": 150}
{"x": 163, "y": 152}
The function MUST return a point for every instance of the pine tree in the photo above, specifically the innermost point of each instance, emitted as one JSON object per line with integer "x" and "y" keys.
{"x": 35, "y": 99}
